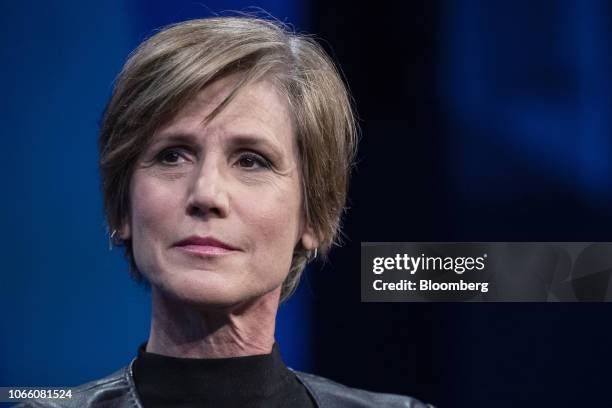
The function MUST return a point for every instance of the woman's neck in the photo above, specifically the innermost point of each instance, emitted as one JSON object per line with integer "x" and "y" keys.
{"x": 190, "y": 331}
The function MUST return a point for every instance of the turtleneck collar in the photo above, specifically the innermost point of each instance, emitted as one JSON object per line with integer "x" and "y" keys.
{"x": 259, "y": 380}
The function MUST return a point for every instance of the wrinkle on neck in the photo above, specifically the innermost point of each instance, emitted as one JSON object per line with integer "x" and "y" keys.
{"x": 188, "y": 331}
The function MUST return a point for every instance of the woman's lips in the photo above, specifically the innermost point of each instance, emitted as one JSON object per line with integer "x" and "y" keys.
{"x": 205, "y": 246}
{"x": 205, "y": 249}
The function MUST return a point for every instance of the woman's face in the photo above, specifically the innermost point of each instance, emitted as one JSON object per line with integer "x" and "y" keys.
{"x": 216, "y": 209}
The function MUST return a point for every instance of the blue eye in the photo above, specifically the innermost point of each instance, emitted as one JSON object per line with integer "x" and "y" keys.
{"x": 249, "y": 160}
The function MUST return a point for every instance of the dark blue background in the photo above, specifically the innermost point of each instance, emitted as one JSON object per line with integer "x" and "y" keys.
{"x": 481, "y": 121}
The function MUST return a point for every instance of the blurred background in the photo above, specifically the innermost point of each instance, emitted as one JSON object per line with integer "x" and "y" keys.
{"x": 481, "y": 121}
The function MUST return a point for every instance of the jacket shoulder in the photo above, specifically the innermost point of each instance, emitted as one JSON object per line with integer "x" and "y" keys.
{"x": 330, "y": 394}
{"x": 114, "y": 390}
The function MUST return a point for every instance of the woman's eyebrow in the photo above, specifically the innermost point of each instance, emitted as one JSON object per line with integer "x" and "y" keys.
{"x": 248, "y": 140}
{"x": 178, "y": 137}
{"x": 255, "y": 141}
{"x": 241, "y": 140}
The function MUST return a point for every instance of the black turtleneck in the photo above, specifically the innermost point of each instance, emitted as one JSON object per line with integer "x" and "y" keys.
{"x": 251, "y": 381}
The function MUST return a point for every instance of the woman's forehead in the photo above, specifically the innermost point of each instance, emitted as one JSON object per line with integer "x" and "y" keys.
{"x": 257, "y": 110}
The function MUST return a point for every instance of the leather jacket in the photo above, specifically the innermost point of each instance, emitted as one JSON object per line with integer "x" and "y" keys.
{"x": 118, "y": 391}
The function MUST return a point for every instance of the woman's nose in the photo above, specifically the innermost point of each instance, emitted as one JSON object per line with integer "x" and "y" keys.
{"x": 208, "y": 195}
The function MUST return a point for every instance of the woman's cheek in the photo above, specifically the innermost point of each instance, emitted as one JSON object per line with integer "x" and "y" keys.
{"x": 154, "y": 201}
{"x": 277, "y": 224}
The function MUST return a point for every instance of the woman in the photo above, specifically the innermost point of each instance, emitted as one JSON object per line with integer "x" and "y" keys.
{"x": 225, "y": 155}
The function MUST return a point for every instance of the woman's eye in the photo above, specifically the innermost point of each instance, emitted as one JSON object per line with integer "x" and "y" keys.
{"x": 253, "y": 161}
{"x": 171, "y": 157}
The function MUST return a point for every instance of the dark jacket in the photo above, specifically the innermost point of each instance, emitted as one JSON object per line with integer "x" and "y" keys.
{"x": 118, "y": 391}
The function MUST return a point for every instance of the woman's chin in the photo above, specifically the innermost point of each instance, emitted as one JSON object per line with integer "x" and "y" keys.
{"x": 213, "y": 293}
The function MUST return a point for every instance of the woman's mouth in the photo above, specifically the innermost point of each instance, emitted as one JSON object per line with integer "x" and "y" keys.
{"x": 205, "y": 246}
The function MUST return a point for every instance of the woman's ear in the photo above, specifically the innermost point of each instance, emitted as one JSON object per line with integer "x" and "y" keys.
{"x": 125, "y": 232}
{"x": 310, "y": 241}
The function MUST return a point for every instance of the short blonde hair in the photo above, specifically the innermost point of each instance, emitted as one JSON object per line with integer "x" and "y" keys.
{"x": 171, "y": 67}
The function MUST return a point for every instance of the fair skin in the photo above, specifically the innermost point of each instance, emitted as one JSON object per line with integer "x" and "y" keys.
{"x": 235, "y": 179}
